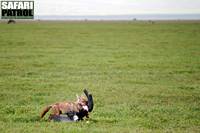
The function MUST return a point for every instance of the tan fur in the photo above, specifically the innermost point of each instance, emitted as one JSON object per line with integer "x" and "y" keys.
{"x": 64, "y": 107}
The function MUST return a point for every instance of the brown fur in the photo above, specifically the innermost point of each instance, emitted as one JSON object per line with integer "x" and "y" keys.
{"x": 64, "y": 107}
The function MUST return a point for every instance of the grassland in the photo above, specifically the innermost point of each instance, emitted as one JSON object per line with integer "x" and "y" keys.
{"x": 144, "y": 77}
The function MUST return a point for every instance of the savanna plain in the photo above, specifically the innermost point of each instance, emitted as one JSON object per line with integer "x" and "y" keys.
{"x": 144, "y": 77}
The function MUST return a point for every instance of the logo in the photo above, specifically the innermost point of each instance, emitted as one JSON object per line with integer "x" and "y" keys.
{"x": 17, "y": 9}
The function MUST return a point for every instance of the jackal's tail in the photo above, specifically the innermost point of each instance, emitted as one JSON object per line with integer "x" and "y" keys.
{"x": 45, "y": 111}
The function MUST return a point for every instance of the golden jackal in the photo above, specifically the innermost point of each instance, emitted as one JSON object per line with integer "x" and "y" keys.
{"x": 74, "y": 110}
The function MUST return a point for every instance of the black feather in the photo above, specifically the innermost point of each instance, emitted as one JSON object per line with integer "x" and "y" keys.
{"x": 90, "y": 103}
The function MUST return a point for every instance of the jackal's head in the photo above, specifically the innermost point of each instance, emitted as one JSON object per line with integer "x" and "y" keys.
{"x": 82, "y": 102}
{"x": 86, "y": 103}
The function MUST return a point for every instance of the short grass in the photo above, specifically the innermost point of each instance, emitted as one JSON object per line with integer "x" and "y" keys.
{"x": 144, "y": 77}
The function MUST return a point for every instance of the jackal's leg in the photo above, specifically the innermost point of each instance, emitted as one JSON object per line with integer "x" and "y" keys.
{"x": 55, "y": 112}
{"x": 50, "y": 117}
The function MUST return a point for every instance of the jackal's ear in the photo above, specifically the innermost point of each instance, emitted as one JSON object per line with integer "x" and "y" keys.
{"x": 78, "y": 98}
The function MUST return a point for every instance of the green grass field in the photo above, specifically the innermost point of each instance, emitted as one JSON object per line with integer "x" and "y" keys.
{"x": 144, "y": 77}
